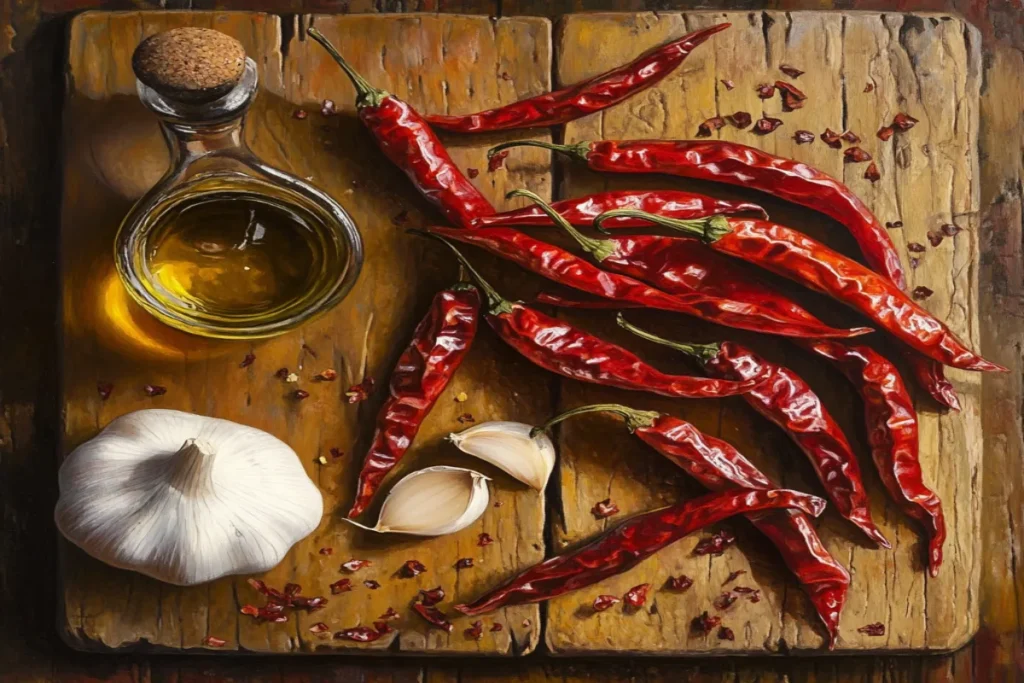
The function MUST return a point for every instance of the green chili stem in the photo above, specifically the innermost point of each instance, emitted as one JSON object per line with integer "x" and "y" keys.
{"x": 366, "y": 94}
{"x": 599, "y": 248}
{"x": 704, "y": 352}
{"x": 634, "y": 418}
{"x": 579, "y": 150}
{"x": 708, "y": 229}
{"x": 495, "y": 302}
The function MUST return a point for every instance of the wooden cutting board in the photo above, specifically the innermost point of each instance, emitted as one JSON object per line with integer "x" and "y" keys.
{"x": 925, "y": 65}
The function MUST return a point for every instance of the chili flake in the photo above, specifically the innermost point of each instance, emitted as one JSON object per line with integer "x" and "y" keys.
{"x": 850, "y": 137}
{"x": 371, "y": 584}
{"x": 705, "y": 129}
{"x": 915, "y": 247}
{"x": 875, "y": 629}
{"x": 505, "y": 76}
{"x": 337, "y": 453}
{"x": 725, "y": 633}
{"x": 869, "y": 87}
{"x": 355, "y": 565}
{"x": 766, "y": 124}
{"x": 464, "y": 563}
{"x": 390, "y": 615}
{"x": 734, "y": 575}
{"x": 495, "y": 627}
{"x": 679, "y": 583}
{"x": 871, "y": 173}
{"x": 921, "y": 293}
{"x": 412, "y": 568}
{"x": 359, "y": 392}
{"x": 104, "y": 389}
{"x": 855, "y": 155}
{"x": 328, "y": 375}
{"x": 636, "y": 596}
{"x": 716, "y": 545}
{"x": 743, "y": 590}
{"x": 740, "y": 119}
{"x": 950, "y": 229}
{"x": 792, "y": 97}
{"x": 359, "y": 634}
{"x": 248, "y": 360}
{"x": 434, "y": 616}
{"x": 484, "y": 539}
{"x": 432, "y": 597}
{"x": 214, "y": 641}
{"x": 382, "y": 627}
{"x": 474, "y": 632}
{"x": 790, "y": 71}
{"x": 604, "y": 508}
{"x": 903, "y": 121}
{"x": 832, "y": 139}
{"x": 496, "y": 161}
{"x": 466, "y": 417}
{"x": 154, "y": 390}
{"x": 326, "y": 551}
{"x": 282, "y": 373}
{"x": 300, "y": 114}
{"x": 915, "y": 262}
{"x": 884, "y": 133}
{"x": 300, "y": 394}
{"x": 400, "y": 218}
{"x": 603, "y": 602}
{"x": 705, "y": 623}
{"x": 472, "y": 172}
{"x": 935, "y": 237}
{"x": 327, "y": 108}
{"x": 724, "y": 601}
{"x": 319, "y": 627}
{"x": 803, "y": 137}
{"x": 765, "y": 91}
{"x": 729, "y": 85}
{"x": 292, "y": 589}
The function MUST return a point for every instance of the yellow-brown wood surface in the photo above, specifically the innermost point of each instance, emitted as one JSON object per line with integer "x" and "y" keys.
{"x": 115, "y": 153}
{"x": 927, "y": 66}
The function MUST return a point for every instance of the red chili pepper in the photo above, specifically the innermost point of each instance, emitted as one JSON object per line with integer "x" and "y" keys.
{"x": 632, "y": 542}
{"x": 406, "y": 139}
{"x": 683, "y": 266}
{"x": 586, "y": 97}
{"x": 582, "y": 211}
{"x": 564, "y": 350}
{"x": 790, "y": 403}
{"x": 797, "y": 257}
{"x": 736, "y": 164}
{"x": 566, "y": 268}
{"x": 718, "y": 466}
{"x": 438, "y": 347}
{"x": 892, "y": 433}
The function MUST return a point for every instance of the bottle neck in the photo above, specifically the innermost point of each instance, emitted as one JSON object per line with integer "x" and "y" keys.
{"x": 188, "y": 142}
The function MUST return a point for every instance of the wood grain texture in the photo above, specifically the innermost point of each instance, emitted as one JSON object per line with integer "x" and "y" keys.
{"x": 928, "y": 66}
{"x": 115, "y": 153}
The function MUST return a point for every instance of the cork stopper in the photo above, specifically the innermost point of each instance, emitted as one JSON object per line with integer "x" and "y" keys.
{"x": 190, "y": 64}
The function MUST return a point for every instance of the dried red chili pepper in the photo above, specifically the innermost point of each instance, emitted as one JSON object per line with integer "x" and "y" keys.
{"x": 432, "y": 597}
{"x": 766, "y": 124}
{"x": 718, "y": 466}
{"x": 565, "y": 350}
{"x": 586, "y": 97}
{"x": 472, "y": 172}
{"x": 792, "y": 97}
{"x": 630, "y": 543}
{"x": 341, "y": 586}
{"x": 679, "y": 583}
{"x": 582, "y": 211}
{"x": 740, "y": 119}
{"x": 359, "y": 392}
{"x": 832, "y": 139}
{"x": 434, "y": 616}
{"x": 893, "y": 436}
{"x": 921, "y": 293}
{"x": 636, "y": 597}
{"x": 736, "y": 164}
{"x": 604, "y": 508}
{"x": 789, "y": 402}
{"x": 407, "y": 140}
{"x": 438, "y": 347}
{"x": 797, "y": 257}
{"x": 682, "y": 266}
{"x": 875, "y": 629}
{"x": 603, "y": 602}
{"x": 705, "y": 129}
{"x": 496, "y": 161}
{"x": 484, "y": 539}
{"x": 214, "y": 641}
{"x": 705, "y": 623}
{"x": 371, "y": 584}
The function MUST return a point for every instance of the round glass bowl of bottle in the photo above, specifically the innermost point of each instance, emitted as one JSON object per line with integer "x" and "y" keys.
{"x": 225, "y": 245}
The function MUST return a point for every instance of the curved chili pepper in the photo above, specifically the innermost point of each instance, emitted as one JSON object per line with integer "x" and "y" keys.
{"x": 797, "y": 257}
{"x": 736, "y": 164}
{"x": 438, "y": 347}
{"x": 790, "y": 403}
{"x": 892, "y": 434}
{"x": 582, "y": 211}
{"x": 566, "y": 268}
{"x": 718, "y": 466}
{"x": 406, "y": 139}
{"x": 631, "y": 542}
{"x": 570, "y": 352}
{"x": 931, "y": 375}
{"x": 683, "y": 266}
{"x": 587, "y": 97}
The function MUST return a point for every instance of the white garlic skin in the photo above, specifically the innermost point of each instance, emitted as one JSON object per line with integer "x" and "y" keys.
{"x": 185, "y": 498}
{"x": 510, "y": 447}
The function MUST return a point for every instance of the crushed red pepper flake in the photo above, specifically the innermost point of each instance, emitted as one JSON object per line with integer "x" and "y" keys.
{"x": 527, "y": 623}
{"x": 935, "y": 237}
{"x": 359, "y": 392}
{"x": 790, "y": 71}
{"x": 705, "y": 623}
{"x": 326, "y": 551}
{"x": 300, "y": 394}
{"x": 466, "y": 417}
{"x": 921, "y": 293}
{"x": 884, "y": 133}
{"x": 412, "y": 568}
{"x": 716, "y": 544}
{"x": 803, "y": 137}
{"x": 495, "y": 627}
{"x": 382, "y": 627}
{"x": 337, "y": 453}
{"x": 766, "y": 124}
{"x": 603, "y": 509}
{"x": 214, "y": 641}
{"x": 914, "y": 262}
{"x": 875, "y": 629}
{"x": 950, "y": 229}
{"x": 292, "y": 589}
{"x": 734, "y": 575}
{"x": 475, "y": 631}
{"x": 915, "y": 247}
{"x": 724, "y": 601}
{"x": 328, "y": 108}
{"x": 505, "y": 76}
{"x": 765, "y": 91}
{"x": 742, "y": 590}
{"x": 432, "y": 597}
{"x": 792, "y": 97}
{"x": 855, "y": 155}
{"x": 897, "y": 224}
{"x": 472, "y": 172}
{"x": 434, "y": 616}
{"x": 282, "y": 373}
{"x": 903, "y": 121}
{"x": 355, "y": 565}
{"x": 498, "y": 503}
{"x": 484, "y": 539}
{"x": 328, "y": 375}
{"x": 390, "y": 615}
{"x": 319, "y": 627}
{"x": 300, "y": 114}
{"x": 832, "y": 139}
{"x": 740, "y": 119}
{"x": 679, "y": 583}
{"x": 464, "y": 563}
{"x": 729, "y": 85}
{"x": 869, "y": 87}
{"x": 851, "y": 137}
{"x": 636, "y": 596}
{"x": 603, "y": 602}
{"x": 496, "y": 161}
{"x": 248, "y": 360}
{"x": 725, "y": 633}
{"x": 709, "y": 126}
{"x": 871, "y": 173}
{"x": 104, "y": 389}
{"x": 154, "y": 390}
{"x": 359, "y": 634}
{"x": 371, "y": 584}
{"x": 400, "y": 218}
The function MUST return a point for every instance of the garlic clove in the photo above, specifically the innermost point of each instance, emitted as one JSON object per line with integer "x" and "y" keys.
{"x": 509, "y": 446}
{"x": 433, "y": 502}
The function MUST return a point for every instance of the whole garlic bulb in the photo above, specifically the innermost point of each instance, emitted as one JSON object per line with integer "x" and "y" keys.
{"x": 185, "y": 498}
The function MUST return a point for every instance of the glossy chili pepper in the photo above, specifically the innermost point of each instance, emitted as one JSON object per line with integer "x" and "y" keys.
{"x": 582, "y": 211}
{"x": 892, "y": 434}
{"x": 570, "y": 352}
{"x": 566, "y": 268}
{"x": 631, "y": 542}
{"x": 797, "y": 257}
{"x": 406, "y": 139}
{"x": 736, "y": 164}
{"x": 587, "y": 97}
{"x": 683, "y": 266}
{"x": 931, "y": 375}
{"x": 439, "y": 345}
{"x": 718, "y": 466}
{"x": 790, "y": 403}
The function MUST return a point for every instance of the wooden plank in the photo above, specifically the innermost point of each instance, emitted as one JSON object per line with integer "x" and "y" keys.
{"x": 926, "y": 65}
{"x": 114, "y": 153}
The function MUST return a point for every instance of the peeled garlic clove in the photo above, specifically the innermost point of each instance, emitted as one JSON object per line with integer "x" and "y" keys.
{"x": 509, "y": 446}
{"x": 433, "y": 502}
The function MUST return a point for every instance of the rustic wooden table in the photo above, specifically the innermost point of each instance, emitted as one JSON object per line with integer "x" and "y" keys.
{"x": 31, "y": 87}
